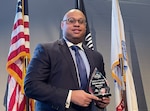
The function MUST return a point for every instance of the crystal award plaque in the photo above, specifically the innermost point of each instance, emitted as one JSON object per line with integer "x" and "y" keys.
{"x": 98, "y": 85}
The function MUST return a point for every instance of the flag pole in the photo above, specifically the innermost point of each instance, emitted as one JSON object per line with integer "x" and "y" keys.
{"x": 123, "y": 91}
{"x": 26, "y": 62}
{"x": 26, "y": 59}
{"x": 77, "y": 4}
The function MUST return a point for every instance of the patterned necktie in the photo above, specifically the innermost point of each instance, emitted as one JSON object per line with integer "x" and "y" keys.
{"x": 81, "y": 68}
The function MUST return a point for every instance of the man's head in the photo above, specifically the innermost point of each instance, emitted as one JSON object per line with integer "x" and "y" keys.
{"x": 73, "y": 26}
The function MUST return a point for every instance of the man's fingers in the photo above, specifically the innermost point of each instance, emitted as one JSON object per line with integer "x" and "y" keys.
{"x": 93, "y": 97}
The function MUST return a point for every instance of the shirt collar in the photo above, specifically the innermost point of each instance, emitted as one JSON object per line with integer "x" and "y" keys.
{"x": 71, "y": 44}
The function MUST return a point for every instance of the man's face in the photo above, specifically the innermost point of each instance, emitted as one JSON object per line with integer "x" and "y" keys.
{"x": 74, "y": 26}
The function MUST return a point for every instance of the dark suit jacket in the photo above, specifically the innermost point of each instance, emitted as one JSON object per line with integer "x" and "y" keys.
{"x": 51, "y": 74}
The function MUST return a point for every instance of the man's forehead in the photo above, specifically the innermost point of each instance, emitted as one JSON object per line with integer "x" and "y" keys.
{"x": 74, "y": 13}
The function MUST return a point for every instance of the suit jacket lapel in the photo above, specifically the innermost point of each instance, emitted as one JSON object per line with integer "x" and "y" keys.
{"x": 69, "y": 60}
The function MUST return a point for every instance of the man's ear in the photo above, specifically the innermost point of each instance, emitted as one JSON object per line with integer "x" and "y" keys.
{"x": 62, "y": 25}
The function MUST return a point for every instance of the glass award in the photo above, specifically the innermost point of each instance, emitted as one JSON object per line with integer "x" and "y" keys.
{"x": 98, "y": 85}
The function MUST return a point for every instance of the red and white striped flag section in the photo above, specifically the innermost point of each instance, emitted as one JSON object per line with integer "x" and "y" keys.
{"x": 79, "y": 4}
{"x": 125, "y": 94}
{"x": 19, "y": 54}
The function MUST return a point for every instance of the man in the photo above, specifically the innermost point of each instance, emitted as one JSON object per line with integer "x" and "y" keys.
{"x": 53, "y": 78}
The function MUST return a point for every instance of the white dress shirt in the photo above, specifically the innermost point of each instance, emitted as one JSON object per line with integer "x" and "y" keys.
{"x": 85, "y": 60}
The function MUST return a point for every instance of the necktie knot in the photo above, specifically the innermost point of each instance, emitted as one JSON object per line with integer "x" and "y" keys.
{"x": 75, "y": 48}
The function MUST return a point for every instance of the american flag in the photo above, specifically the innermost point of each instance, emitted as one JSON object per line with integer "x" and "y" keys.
{"x": 18, "y": 58}
{"x": 125, "y": 94}
{"x": 88, "y": 37}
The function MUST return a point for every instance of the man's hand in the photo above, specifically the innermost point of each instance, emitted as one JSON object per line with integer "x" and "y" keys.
{"x": 102, "y": 102}
{"x": 81, "y": 98}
